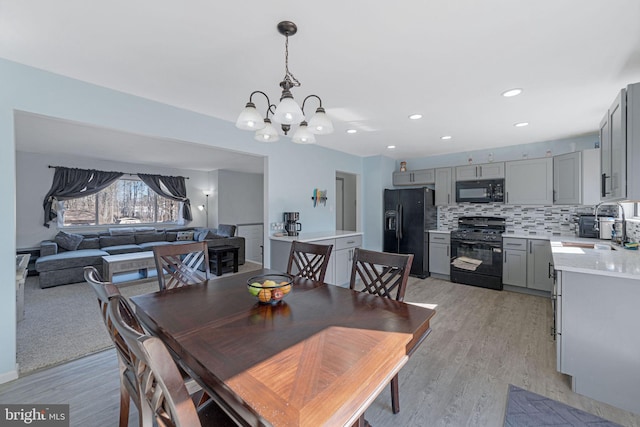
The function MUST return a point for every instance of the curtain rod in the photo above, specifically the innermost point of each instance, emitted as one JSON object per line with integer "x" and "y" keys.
{"x": 124, "y": 173}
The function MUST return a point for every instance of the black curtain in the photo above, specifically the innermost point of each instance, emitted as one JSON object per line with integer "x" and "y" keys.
{"x": 71, "y": 183}
{"x": 177, "y": 190}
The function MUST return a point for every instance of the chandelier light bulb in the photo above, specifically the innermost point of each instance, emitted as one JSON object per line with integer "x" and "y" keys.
{"x": 249, "y": 118}
{"x": 320, "y": 123}
{"x": 288, "y": 112}
{"x": 267, "y": 133}
{"x": 303, "y": 135}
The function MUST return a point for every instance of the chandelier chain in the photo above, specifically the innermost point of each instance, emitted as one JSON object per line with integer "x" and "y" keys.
{"x": 286, "y": 63}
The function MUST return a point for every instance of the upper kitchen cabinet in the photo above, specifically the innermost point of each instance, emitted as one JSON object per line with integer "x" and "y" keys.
{"x": 417, "y": 177}
{"x": 445, "y": 187}
{"x": 484, "y": 171}
{"x": 529, "y": 182}
{"x": 620, "y": 147}
{"x": 574, "y": 180}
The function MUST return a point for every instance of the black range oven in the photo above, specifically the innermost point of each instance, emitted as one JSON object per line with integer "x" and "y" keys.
{"x": 476, "y": 251}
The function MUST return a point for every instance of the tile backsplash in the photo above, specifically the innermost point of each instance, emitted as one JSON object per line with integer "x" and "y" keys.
{"x": 527, "y": 219}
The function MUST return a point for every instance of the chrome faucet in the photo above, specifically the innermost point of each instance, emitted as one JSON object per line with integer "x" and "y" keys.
{"x": 596, "y": 223}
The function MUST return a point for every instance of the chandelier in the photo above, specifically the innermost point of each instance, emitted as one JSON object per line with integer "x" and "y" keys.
{"x": 288, "y": 112}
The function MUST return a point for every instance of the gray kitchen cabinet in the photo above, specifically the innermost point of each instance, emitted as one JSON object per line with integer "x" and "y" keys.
{"x": 416, "y": 177}
{"x": 514, "y": 262}
{"x": 529, "y": 182}
{"x": 527, "y": 263}
{"x": 574, "y": 180}
{"x": 567, "y": 179}
{"x": 596, "y": 329}
{"x": 339, "y": 267}
{"x": 620, "y": 147}
{"x": 539, "y": 265}
{"x": 344, "y": 250}
{"x": 445, "y": 193}
{"x": 439, "y": 255}
{"x": 482, "y": 171}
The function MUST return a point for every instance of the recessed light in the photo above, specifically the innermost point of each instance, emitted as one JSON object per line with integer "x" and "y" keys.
{"x": 446, "y": 137}
{"x": 391, "y": 147}
{"x": 521, "y": 124}
{"x": 351, "y": 131}
{"x": 415, "y": 116}
{"x": 512, "y": 92}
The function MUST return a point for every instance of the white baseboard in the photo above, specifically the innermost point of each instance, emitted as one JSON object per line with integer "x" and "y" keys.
{"x": 5, "y": 377}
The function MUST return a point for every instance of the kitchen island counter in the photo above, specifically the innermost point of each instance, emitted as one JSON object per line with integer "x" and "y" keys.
{"x": 317, "y": 235}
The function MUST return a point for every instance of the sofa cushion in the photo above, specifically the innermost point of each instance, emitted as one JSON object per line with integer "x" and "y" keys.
{"x": 120, "y": 231}
{"x": 149, "y": 237}
{"x": 107, "y": 241}
{"x": 70, "y": 259}
{"x": 90, "y": 243}
{"x": 145, "y": 230}
{"x": 68, "y": 241}
{"x": 121, "y": 249}
{"x": 226, "y": 230}
{"x": 149, "y": 245}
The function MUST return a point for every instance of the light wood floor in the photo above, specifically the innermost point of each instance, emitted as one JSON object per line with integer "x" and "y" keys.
{"x": 482, "y": 340}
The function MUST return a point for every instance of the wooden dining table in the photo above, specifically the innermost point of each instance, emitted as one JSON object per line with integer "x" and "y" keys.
{"x": 318, "y": 358}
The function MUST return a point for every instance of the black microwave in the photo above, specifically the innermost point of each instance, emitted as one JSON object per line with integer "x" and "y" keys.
{"x": 481, "y": 191}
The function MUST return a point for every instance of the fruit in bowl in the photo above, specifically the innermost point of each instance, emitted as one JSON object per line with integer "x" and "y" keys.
{"x": 270, "y": 288}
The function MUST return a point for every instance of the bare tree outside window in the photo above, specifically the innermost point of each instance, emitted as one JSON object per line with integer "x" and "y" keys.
{"x": 126, "y": 201}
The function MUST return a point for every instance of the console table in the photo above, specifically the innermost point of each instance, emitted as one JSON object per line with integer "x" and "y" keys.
{"x": 223, "y": 259}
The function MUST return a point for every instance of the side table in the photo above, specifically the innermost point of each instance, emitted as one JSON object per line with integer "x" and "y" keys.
{"x": 223, "y": 259}
{"x": 21, "y": 274}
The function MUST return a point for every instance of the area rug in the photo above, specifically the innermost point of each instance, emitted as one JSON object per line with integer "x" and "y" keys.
{"x": 526, "y": 409}
{"x": 63, "y": 323}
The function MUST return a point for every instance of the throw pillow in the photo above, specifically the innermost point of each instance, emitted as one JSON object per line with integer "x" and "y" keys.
{"x": 226, "y": 230}
{"x": 68, "y": 241}
{"x": 200, "y": 236}
{"x": 184, "y": 235}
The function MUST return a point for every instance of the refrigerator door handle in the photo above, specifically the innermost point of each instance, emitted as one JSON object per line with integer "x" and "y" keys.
{"x": 400, "y": 222}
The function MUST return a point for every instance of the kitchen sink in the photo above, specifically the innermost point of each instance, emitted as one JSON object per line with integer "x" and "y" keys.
{"x": 586, "y": 245}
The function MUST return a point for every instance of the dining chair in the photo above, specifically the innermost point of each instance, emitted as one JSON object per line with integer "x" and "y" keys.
{"x": 164, "y": 397}
{"x": 128, "y": 387}
{"x": 309, "y": 260}
{"x": 181, "y": 264}
{"x": 386, "y": 275}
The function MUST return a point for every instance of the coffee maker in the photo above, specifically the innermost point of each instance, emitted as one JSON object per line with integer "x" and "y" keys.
{"x": 291, "y": 224}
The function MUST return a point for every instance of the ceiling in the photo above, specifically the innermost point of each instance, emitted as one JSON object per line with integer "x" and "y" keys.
{"x": 372, "y": 63}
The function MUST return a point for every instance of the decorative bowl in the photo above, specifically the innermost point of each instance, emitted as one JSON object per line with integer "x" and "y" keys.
{"x": 270, "y": 288}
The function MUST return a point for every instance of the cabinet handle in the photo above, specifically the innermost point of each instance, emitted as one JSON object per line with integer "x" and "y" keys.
{"x": 552, "y": 274}
{"x": 507, "y": 197}
{"x": 530, "y": 247}
{"x": 448, "y": 254}
{"x": 448, "y": 198}
{"x": 603, "y": 184}
{"x": 505, "y": 257}
{"x": 477, "y": 172}
{"x": 480, "y": 171}
{"x": 350, "y": 242}
{"x": 554, "y": 196}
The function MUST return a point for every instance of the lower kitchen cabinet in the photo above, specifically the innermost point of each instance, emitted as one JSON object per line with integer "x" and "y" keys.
{"x": 339, "y": 268}
{"x": 344, "y": 250}
{"x": 439, "y": 254}
{"x": 527, "y": 263}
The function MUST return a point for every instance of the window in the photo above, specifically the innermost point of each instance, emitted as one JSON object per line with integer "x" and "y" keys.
{"x": 126, "y": 201}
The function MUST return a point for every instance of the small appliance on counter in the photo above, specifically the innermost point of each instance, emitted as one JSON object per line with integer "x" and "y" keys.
{"x": 585, "y": 227}
{"x": 291, "y": 224}
{"x": 607, "y": 225}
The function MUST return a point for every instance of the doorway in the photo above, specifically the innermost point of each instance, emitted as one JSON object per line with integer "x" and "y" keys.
{"x": 346, "y": 201}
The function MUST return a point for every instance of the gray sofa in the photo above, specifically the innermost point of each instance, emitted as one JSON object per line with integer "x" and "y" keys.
{"x": 63, "y": 259}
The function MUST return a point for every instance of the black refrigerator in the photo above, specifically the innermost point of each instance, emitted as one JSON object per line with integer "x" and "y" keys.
{"x": 408, "y": 216}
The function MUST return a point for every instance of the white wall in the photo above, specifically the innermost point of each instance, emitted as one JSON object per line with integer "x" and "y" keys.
{"x": 377, "y": 173}
{"x": 34, "y": 178}
{"x": 240, "y": 198}
{"x": 350, "y": 194}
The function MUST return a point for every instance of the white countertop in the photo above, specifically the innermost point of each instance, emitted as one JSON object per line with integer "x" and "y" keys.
{"x": 440, "y": 231}
{"x": 318, "y": 235}
{"x": 619, "y": 262}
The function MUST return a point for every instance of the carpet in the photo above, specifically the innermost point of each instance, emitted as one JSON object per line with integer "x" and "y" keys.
{"x": 63, "y": 323}
{"x": 527, "y": 409}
